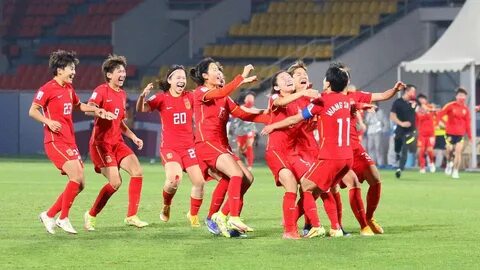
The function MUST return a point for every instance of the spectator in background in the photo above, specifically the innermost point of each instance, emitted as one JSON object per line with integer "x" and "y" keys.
{"x": 376, "y": 123}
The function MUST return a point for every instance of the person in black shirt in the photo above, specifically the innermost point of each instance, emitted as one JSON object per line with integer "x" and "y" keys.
{"x": 403, "y": 115}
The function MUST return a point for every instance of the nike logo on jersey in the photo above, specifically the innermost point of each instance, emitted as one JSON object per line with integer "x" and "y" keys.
{"x": 109, "y": 100}
{"x": 169, "y": 108}
{"x": 60, "y": 96}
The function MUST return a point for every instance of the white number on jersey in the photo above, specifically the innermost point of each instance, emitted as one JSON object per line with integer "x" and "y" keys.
{"x": 117, "y": 111}
{"x": 340, "y": 131}
{"x": 67, "y": 108}
{"x": 191, "y": 153}
{"x": 179, "y": 118}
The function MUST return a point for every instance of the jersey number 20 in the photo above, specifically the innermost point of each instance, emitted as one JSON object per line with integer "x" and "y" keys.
{"x": 179, "y": 118}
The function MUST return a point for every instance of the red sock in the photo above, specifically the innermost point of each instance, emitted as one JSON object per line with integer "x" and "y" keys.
{"x": 69, "y": 194}
{"x": 310, "y": 208}
{"x": 234, "y": 193}
{"x": 218, "y": 196}
{"x": 167, "y": 198}
{"x": 250, "y": 155}
{"x": 134, "y": 191}
{"x": 431, "y": 156}
{"x": 56, "y": 207}
{"x": 331, "y": 209}
{"x": 421, "y": 157}
{"x": 105, "y": 193}
{"x": 195, "y": 206}
{"x": 356, "y": 202}
{"x": 226, "y": 207}
{"x": 299, "y": 208}
{"x": 338, "y": 202}
{"x": 373, "y": 197}
{"x": 289, "y": 221}
{"x": 244, "y": 190}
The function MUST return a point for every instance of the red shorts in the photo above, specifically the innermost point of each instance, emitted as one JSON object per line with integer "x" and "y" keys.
{"x": 277, "y": 160}
{"x": 425, "y": 141}
{"x": 361, "y": 162}
{"x": 242, "y": 140}
{"x": 209, "y": 152}
{"x": 326, "y": 173}
{"x": 107, "y": 155}
{"x": 186, "y": 157}
{"x": 309, "y": 155}
{"x": 59, "y": 153}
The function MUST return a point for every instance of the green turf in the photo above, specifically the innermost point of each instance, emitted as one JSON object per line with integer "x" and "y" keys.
{"x": 430, "y": 221}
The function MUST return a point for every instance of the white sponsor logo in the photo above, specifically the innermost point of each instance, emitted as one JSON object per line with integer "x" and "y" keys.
{"x": 94, "y": 95}
{"x": 109, "y": 100}
{"x": 204, "y": 89}
{"x": 39, "y": 95}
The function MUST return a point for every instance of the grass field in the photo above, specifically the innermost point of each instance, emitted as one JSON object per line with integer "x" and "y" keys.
{"x": 430, "y": 221}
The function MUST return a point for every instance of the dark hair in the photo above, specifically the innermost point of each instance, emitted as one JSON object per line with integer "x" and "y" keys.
{"x": 408, "y": 87}
{"x": 298, "y": 64}
{"x": 274, "y": 81}
{"x": 199, "y": 69}
{"x": 112, "y": 62}
{"x": 163, "y": 84}
{"x": 337, "y": 76}
{"x": 243, "y": 95}
{"x": 421, "y": 96}
{"x": 60, "y": 59}
{"x": 461, "y": 90}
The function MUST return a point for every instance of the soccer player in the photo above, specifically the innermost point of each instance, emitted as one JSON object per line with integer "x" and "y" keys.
{"x": 108, "y": 151}
{"x": 52, "y": 106}
{"x": 212, "y": 107}
{"x": 457, "y": 126}
{"x": 177, "y": 148}
{"x": 425, "y": 116}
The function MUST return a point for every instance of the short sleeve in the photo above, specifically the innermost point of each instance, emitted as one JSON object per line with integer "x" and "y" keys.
{"x": 311, "y": 110}
{"x": 40, "y": 98}
{"x": 363, "y": 97}
{"x": 156, "y": 101}
{"x": 75, "y": 98}
{"x": 395, "y": 107}
{"x": 96, "y": 97}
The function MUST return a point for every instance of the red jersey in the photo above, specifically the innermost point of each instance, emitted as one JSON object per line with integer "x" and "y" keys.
{"x": 211, "y": 116}
{"x": 57, "y": 103}
{"x": 305, "y": 138}
{"x": 176, "y": 115}
{"x": 358, "y": 97}
{"x": 108, "y": 131}
{"x": 425, "y": 123}
{"x": 458, "y": 122}
{"x": 282, "y": 139}
{"x": 334, "y": 126}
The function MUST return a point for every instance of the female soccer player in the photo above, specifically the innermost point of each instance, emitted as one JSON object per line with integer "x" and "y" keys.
{"x": 425, "y": 116}
{"x": 52, "y": 106}
{"x": 177, "y": 148}
{"x": 108, "y": 150}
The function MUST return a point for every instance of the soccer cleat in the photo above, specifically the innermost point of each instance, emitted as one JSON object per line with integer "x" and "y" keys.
{"x": 315, "y": 232}
{"x": 306, "y": 229}
{"x": 449, "y": 168}
{"x": 135, "y": 221}
{"x": 376, "y": 228}
{"x": 212, "y": 226}
{"x": 366, "y": 231}
{"x": 165, "y": 214}
{"x": 345, "y": 233}
{"x": 423, "y": 171}
{"x": 221, "y": 220}
{"x": 65, "y": 225}
{"x": 237, "y": 224}
{"x": 89, "y": 222}
{"x": 398, "y": 173}
{"x": 336, "y": 232}
{"x": 432, "y": 167}
{"x": 455, "y": 174}
{"x": 235, "y": 233}
{"x": 194, "y": 221}
{"x": 48, "y": 222}
{"x": 291, "y": 235}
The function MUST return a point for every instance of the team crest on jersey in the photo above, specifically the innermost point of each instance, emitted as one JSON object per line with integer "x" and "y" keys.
{"x": 108, "y": 159}
{"x": 204, "y": 89}
{"x": 70, "y": 152}
{"x": 187, "y": 104}
{"x": 169, "y": 155}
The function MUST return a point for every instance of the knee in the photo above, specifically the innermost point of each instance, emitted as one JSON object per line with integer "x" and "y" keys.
{"x": 136, "y": 171}
{"x": 248, "y": 177}
{"x": 78, "y": 176}
{"x": 173, "y": 180}
{"x": 115, "y": 182}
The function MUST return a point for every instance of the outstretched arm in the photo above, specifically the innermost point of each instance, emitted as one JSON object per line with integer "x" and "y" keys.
{"x": 292, "y": 120}
{"x": 388, "y": 94}
{"x": 141, "y": 105}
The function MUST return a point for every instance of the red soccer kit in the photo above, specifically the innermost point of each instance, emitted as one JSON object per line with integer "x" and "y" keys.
{"x": 280, "y": 150}
{"x": 458, "y": 123}
{"x": 107, "y": 148}
{"x": 57, "y": 103}
{"x": 426, "y": 129}
{"x": 176, "y": 114}
{"x": 335, "y": 151}
{"x": 306, "y": 145}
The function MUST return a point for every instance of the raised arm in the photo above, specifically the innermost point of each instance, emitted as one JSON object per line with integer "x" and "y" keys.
{"x": 231, "y": 86}
{"x": 256, "y": 117}
{"x": 388, "y": 94}
{"x": 141, "y": 105}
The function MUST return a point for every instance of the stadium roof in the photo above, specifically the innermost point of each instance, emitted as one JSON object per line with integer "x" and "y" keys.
{"x": 458, "y": 47}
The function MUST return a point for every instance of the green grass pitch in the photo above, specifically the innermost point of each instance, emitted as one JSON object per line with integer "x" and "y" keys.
{"x": 430, "y": 221}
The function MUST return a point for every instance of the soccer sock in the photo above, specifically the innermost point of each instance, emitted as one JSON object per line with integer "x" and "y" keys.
{"x": 310, "y": 208}
{"x": 356, "y": 203}
{"x": 167, "y": 198}
{"x": 218, "y": 196}
{"x": 421, "y": 157}
{"x": 338, "y": 202}
{"x": 299, "y": 208}
{"x": 250, "y": 155}
{"x": 134, "y": 191}
{"x": 373, "y": 197}
{"x": 56, "y": 207}
{"x": 289, "y": 221}
{"x": 331, "y": 209}
{"x": 105, "y": 193}
{"x": 245, "y": 187}
{"x": 195, "y": 206}
{"x": 431, "y": 156}
{"x": 69, "y": 194}
{"x": 234, "y": 193}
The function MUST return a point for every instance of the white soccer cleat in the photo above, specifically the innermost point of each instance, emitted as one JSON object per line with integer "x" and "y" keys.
{"x": 449, "y": 168}
{"x": 89, "y": 222}
{"x": 65, "y": 225}
{"x": 432, "y": 167}
{"x": 422, "y": 170}
{"x": 48, "y": 222}
{"x": 455, "y": 174}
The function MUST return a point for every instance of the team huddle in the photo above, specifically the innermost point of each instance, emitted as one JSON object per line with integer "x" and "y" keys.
{"x": 313, "y": 149}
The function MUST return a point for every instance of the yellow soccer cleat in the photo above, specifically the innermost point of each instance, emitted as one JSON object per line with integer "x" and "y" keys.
{"x": 165, "y": 214}
{"x": 376, "y": 228}
{"x": 366, "y": 231}
{"x": 336, "y": 233}
{"x": 89, "y": 222}
{"x": 237, "y": 224}
{"x": 194, "y": 220}
{"x": 135, "y": 221}
{"x": 221, "y": 220}
{"x": 315, "y": 232}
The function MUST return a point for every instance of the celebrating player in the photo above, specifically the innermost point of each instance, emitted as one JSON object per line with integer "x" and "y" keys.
{"x": 177, "y": 148}
{"x": 425, "y": 116}
{"x": 56, "y": 99}
{"x": 108, "y": 150}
